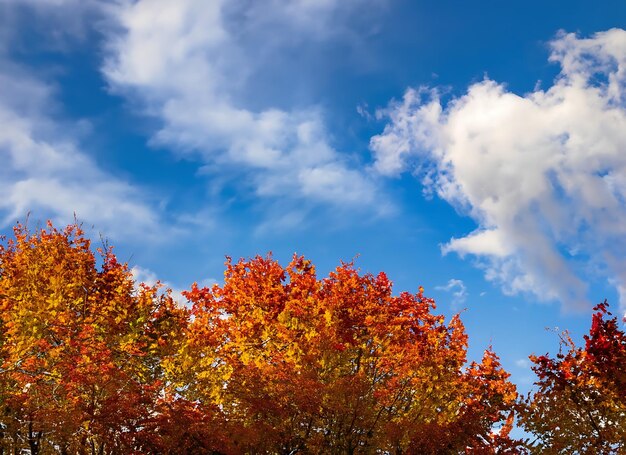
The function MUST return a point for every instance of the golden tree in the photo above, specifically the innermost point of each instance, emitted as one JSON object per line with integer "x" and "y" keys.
{"x": 273, "y": 361}
{"x": 338, "y": 365}
{"x": 81, "y": 348}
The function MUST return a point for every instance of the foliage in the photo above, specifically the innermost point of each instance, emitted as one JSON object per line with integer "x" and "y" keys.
{"x": 580, "y": 404}
{"x": 338, "y": 365}
{"x": 274, "y": 361}
{"x": 81, "y": 349}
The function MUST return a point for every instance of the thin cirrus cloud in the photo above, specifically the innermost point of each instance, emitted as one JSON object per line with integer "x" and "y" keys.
{"x": 543, "y": 174}
{"x": 186, "y": 63}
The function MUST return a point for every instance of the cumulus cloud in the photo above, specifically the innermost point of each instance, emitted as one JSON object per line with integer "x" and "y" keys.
{"x": 542, "y": 174}
{"x": 188, "y": 63}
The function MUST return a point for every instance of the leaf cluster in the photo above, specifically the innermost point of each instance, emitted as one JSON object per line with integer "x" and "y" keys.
{"x": 275, "y": 360}
{"x": 580, "y": 402}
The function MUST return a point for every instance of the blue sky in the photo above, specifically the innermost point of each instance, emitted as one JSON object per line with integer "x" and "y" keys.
{"x": 475, "y": 148}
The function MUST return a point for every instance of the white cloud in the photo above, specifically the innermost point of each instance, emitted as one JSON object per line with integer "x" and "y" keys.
{"x": 188, "y": 63}
{"x": 149, "y": 278}
{"x": 457, "y": 289}
{"x": 543, "y": 174}
{"x": 490, "y": 241}
{"x": 143, "y": 275}
{"x": 44, "y": 171}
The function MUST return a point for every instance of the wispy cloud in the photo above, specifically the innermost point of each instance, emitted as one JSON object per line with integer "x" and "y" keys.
{"x": 543, "y": 175}
{"x": 188, "y": 63}
{"x": 458, "y": 291}
{"x": 56, "y": 25}
{"x": 44, "y": 170}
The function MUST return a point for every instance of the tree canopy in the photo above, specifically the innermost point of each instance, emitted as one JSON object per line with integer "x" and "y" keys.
{"x": 337, "y": 365}
{"x": 580, "y": 404}
{"x": 81, "y": 348}
{"x": 275, "y": 360}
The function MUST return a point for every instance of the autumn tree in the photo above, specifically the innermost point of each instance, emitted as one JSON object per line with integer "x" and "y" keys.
{"x": 81, "y": 347}
{"x": 580, "y": 402}
{"x": 338, "y": 365}
{"x": 273, "y": 361}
